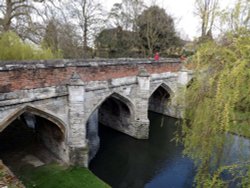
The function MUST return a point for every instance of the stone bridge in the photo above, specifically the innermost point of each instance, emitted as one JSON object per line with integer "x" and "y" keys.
{"x": 63, "y": 100}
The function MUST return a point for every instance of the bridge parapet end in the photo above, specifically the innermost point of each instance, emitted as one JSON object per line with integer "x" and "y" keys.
{"x": 184, "y": 76}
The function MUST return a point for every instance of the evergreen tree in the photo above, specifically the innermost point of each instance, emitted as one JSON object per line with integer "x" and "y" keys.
{"x": 156, "y": 30}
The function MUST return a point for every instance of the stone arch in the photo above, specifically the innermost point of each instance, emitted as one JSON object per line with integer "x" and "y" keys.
{"x": 120, "y": 112}
{"x": 34, "y": 111}
{"x": 39, "y": 132}
{"x": 165, "y": 87}
{"x": 160, "y": 99}
{"x": 118, "y": 96}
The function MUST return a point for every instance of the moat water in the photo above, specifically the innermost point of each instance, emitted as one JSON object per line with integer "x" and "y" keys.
{"x": 125, "y": 162}
{"x": 122, "y": 161}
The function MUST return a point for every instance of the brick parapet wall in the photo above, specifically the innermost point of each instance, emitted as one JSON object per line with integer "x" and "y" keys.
{"x": 39, "y": 74}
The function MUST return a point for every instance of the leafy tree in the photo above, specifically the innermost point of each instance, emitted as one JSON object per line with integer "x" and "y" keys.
{"x": 113, "y": 43}
{"x": 156, "y": 30}
{"x": 218, "y": 103}
{"x": 13, "y": 48}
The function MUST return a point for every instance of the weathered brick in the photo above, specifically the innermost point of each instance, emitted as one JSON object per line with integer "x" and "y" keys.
{"x": 30, "y": 77}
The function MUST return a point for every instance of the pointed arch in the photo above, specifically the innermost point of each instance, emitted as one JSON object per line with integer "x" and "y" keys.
{"x": 117, "y": 96}
{"x": 165, "y": 87}
{"x": 36, "y": 111}
{"x": 120, "y": 112}
{"x": 160, "y": 99}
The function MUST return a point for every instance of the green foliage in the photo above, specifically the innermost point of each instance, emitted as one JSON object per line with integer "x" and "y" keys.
{"x": 55, "y": 176}
{"x": 113, "y": 43}
{"x": 139, "y": 32}
{"x": 217, "y": 103}
{"x": 156, "y": 30}
{"x": 13, "y": 48}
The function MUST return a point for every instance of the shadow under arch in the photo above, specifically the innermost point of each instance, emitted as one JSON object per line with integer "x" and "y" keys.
{"x": 114, "y": 111}
{"x": 35, "y": 111}
{"x": 32, "y": 134}
{"x": 165, "y": 87}
{"x": 117, "y": 96}
{"x": 160, "y": 99}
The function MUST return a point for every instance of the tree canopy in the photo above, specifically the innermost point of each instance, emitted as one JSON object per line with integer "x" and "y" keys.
{"x": 73, "y": 27}
{"x": 217, "y": 102}
{"x": 115, "y": 43}
{"x": 156, "y": 30}
{"x": 217, "y": 107}
{"x": 142, "y": 34}
{"x": 13, "y": 48}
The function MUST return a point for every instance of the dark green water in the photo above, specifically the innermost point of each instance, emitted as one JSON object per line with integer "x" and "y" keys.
{"x": 124, "y": 162}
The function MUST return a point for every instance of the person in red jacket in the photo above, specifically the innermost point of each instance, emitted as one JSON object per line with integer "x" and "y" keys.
{"x": 183, "y": 58}
{"x": 157, "y": 57}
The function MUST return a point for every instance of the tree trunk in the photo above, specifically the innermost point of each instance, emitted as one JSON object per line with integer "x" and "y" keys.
{"x": 7, "y": 16}
{"x": 85, "y": 28}
{"x": 85, "y": 33}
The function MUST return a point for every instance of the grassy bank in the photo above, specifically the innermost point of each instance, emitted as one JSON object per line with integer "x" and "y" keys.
{"x": 55, "y": 176}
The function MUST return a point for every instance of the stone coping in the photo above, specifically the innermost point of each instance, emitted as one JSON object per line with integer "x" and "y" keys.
{"x": 61, "y": 63}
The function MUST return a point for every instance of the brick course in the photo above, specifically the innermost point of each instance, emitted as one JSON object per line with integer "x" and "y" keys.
{"x": 32, "y": 77}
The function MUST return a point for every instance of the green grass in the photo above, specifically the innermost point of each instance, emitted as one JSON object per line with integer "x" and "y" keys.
{"x": 55, "y": 176}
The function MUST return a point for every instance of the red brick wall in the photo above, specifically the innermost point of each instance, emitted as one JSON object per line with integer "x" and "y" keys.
{"x": 18, "y": 79}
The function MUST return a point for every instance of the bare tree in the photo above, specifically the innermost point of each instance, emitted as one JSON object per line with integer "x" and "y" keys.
{"x": 16, "y": 15}
{"x": 89, "y": 19}
{"x": 206, "y": 10}
{"x": 14, "y": 10}
{"x": 235, "y": 21}
{"x": 125, "y": 14}
{"x": 117, "y": 16}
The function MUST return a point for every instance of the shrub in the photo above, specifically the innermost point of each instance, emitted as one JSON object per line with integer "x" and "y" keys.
{"x": 13, "y": 48}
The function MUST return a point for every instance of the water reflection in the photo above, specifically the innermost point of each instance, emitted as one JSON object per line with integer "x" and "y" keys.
{"x": 126, "y": 162}
{"x": 236, "y": 150}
